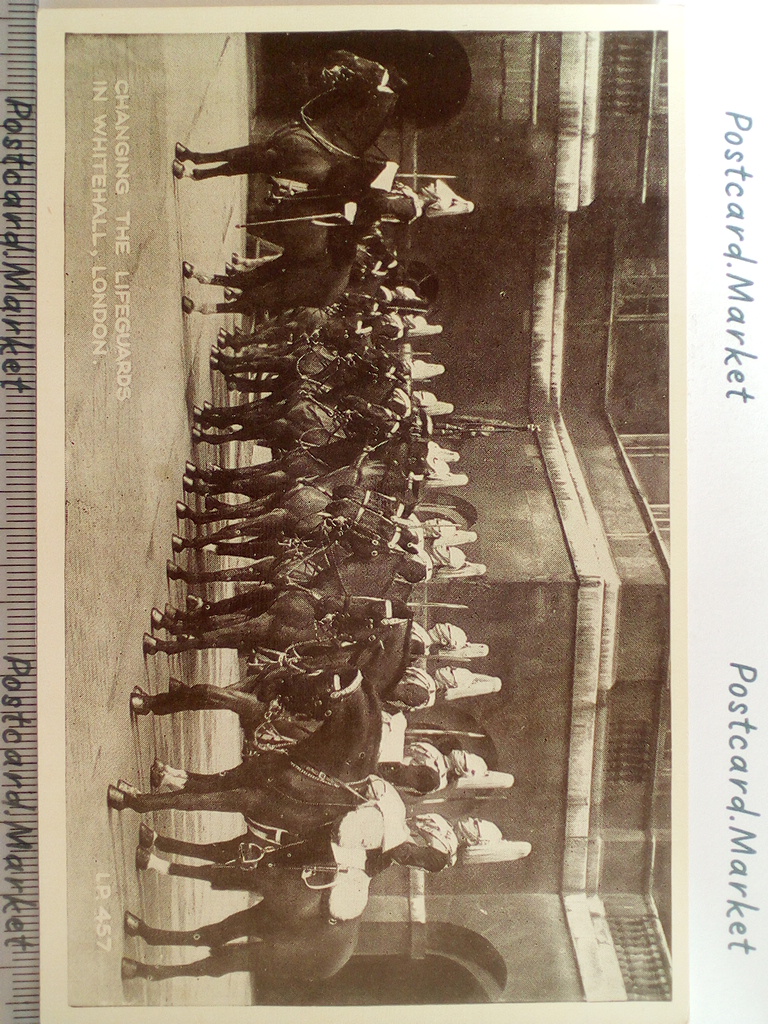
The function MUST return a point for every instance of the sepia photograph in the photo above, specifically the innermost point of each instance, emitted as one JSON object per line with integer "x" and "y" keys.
{"x": 367, "y": 518}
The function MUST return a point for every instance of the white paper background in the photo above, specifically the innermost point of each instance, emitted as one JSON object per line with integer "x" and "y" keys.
{"x": 728, "y": 495}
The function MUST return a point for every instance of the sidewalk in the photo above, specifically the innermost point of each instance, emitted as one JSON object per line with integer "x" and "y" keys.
{"x": 125, "y": 462}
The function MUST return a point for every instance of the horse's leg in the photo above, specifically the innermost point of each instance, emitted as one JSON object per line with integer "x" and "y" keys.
{"x": 218, "y": 511}
{"x": 264, "y": 484}
{"x": 251, "y": 548}
{"x": 248, "y": 159}
{"x": 244, "y": 528}
{"x": 250, "y": 415}
{"x": 239, "y": 957}
{"x": 240, "y": 574}
{"x": 224, "y": 415}
{"x": 252, "y": 602}
{"x": 219, "y": 853}
{"x": 201, "y": 697}
{"x": 226, "y": 800}
{"x": 220, "y": 876}
{"x": 235, "y": 433}
{"x": 245, "y": 474}
{"x": 238, "y": 925}
{"x": 246, "y": 385}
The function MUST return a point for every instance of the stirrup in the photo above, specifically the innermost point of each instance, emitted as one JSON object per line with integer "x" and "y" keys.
{"x": 150, "y": 645}
{"x": 187, "y": 269}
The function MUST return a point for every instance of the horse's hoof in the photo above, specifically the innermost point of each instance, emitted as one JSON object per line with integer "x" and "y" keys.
{"x": 187, "y": 269}
{"x": 147, "y": 836}
{"x": 130, "y": 969}
{"x": 231, "y": 294}
{"x": 131, "y": 923}
{"x": 190, "y": 468}
{"x": 197, "y": 412}
{"x": 149, "y": 645}
{"x": 194, "y": 603}
{"x": 214, "y": 362}
{"x": 127, "y": 789}
{"x": 138, "y": 701}
{"x": 181, "y": 152}
{"x": 157, "y": 618}
{"x": 142, "y": 863}
{"x": 115, "y": 798}
{"x": 178, "y": 543}
{"x": 197, "y": 435}
{"x": 182, "y": 511}
{"x": 156, "y": 775}
{"x": 187, "y": 305}
{"x": 188, "y": 483}
{"x": 178, "y": 169}
{"x": 173, "y": 572}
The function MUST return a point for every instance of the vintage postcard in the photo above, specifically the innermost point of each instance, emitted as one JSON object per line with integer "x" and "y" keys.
{"x": 359, "y": 684}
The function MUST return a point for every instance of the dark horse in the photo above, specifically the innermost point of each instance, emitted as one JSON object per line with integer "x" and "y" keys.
{"x": 382, "y": 657}
{"x": 325, "y": 147}
{"x": 291, "y": 796}
{"x": 286, "y": 799}
{"x": 299, "y": 937}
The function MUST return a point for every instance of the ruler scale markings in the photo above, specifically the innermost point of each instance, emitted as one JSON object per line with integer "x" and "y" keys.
{"x": 19, "y": 960}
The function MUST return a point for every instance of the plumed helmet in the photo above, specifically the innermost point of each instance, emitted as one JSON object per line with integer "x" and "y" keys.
{"x": 421, "y": 370}
{"x": 416, "y": 689}
{"x": 417, "y": 326}
{"x": 456, "y": 682}
{"x": 467, "y": 570}
{"x": 391, "y": 325}
{"x": 447, "y": 635}
{"x": 451, "y": 641}
{"x": 441, "y": 201}
{"x": 464, "y": 763}
{"x": 447, "y": 555}
{"x": 428, "y": 400}
{"x": 476, "y": 831}
{"x": 446, "y": 454}
{"x": 421, "y": 635}
{"x": 437, "y": 831}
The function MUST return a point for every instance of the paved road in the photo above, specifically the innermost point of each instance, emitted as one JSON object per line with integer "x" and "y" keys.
{"x": 124, "y": 467}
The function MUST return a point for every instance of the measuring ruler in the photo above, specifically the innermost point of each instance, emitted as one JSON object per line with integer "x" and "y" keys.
{"x": 19, "y": 918}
